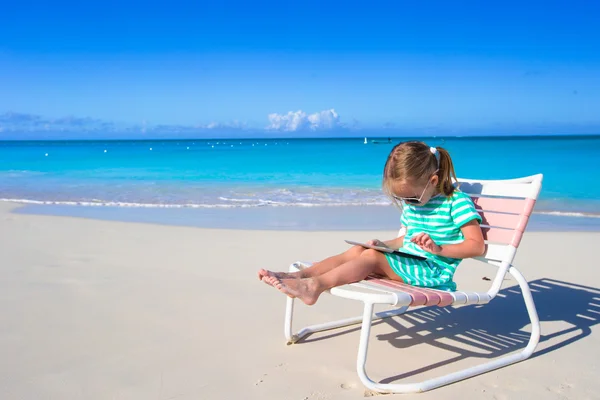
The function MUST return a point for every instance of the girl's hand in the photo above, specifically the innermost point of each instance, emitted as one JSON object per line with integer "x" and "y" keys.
{"x": 377, "y": 242}
{"x": 425, "y": 242}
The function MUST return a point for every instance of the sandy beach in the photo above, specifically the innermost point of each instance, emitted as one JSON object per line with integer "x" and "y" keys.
{"x": 111, "y": 310}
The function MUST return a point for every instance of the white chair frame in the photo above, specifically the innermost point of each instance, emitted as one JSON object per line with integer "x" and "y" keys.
{"x": 499, "y": 255}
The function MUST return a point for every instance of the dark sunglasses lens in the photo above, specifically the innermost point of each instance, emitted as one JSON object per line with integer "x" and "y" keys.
{"x": 412, "y": 201}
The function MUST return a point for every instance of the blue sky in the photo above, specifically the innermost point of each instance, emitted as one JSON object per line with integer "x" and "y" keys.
{"x": 461, "y": 67}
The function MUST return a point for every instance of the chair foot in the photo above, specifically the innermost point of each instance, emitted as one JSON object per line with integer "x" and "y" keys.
{"x": 293, "y": 340}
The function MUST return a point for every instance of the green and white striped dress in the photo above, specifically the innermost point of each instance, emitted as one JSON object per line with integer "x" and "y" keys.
{"x": 441, "y": 218}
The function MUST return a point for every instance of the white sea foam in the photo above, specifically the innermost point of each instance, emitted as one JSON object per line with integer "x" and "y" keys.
{"x": 569, "y": 214}
{"x": 236, "y": 200}
{"x": 250, "y": 203}
{"x": 258, "y": 203}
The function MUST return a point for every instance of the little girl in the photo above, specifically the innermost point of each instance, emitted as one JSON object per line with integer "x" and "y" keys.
{"x": 438, "y": 220}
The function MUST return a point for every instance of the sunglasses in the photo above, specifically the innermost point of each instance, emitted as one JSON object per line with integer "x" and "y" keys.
{"x": 414, "y": 200}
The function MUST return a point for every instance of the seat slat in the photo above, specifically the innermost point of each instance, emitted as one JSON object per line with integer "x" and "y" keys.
{"x": 500, "y": 189}
{"x": 504, "y": 206}
{"x": 421, "y": 296}
{"x": 418, "y": 299}
{"x": 503, "y": 236}
{"x": 459, "y": 298}
{"x": 484, "y": 298}
{"x": 497, "y": 252}
{"x": 509, "y": 221}
{"x": 533, "y": 179}
{"x": 497, "y": 235}
{"x": 471, "y": 297}
{"x": 513, "y": 206}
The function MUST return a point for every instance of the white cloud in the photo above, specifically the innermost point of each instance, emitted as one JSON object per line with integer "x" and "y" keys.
{"x": 30, "y": 122}
{"x": 299, "y": 120}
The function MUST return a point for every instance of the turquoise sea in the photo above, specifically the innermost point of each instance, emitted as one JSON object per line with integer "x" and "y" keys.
{"x": 250, "y": 173}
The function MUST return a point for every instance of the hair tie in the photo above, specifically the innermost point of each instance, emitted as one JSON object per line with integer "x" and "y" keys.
{"x": 435, "y": 152}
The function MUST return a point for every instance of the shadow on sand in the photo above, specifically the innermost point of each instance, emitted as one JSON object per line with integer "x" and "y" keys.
{"x": 497, "y": 328}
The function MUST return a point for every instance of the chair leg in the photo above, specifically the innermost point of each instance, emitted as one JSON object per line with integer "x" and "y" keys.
{"x": 295, "y": 337}
{"x": 455, "y": 376}
{"x": 289, "y": 316}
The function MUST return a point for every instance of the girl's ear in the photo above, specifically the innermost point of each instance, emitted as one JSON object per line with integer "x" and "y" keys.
{"x": 435, "y": 180}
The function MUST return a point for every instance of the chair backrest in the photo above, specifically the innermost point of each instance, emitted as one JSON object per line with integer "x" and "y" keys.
{"x": 505, "y": 207}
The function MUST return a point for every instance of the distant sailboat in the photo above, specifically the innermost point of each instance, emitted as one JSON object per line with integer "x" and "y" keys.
{"x": 366, "y": 141}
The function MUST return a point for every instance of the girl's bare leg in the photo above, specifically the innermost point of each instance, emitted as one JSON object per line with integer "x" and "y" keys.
{"x": 309, "y": 289}
{"x": 317, "y": 268}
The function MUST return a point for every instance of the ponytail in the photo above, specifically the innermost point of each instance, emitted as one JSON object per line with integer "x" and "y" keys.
{"x": 417, "y": 161}
{"x": 445, "y": 172}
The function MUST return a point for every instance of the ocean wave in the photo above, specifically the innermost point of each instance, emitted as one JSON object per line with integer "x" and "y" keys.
{"x": 258, "y": 203}
{"x": 250, "y": 203}
{"x": 569, "y": 214}
{"x": 236, "y": 200}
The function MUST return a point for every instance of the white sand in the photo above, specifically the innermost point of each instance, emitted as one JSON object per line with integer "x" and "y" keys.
{"x": 105, "y": 310}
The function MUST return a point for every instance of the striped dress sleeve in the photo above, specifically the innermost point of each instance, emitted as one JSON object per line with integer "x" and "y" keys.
{"x": 463, "y": 210}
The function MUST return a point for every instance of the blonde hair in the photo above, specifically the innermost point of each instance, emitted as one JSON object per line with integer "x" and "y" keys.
{"x": 415, "y": 161}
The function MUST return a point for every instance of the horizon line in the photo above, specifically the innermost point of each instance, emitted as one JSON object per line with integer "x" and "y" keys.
{"x": 187, "y": 139}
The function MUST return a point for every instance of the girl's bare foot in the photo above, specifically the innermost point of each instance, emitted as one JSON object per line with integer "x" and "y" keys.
{"x": 304, "y": 289}
{"x": 262, "y": 273}
{"x": 272, "y": 281}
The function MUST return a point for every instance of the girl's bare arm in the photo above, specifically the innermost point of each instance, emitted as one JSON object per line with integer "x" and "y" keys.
{"x": 472, "y": 246}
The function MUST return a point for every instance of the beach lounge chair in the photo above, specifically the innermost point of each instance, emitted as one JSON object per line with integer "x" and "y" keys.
{"x": 505, "y": 206}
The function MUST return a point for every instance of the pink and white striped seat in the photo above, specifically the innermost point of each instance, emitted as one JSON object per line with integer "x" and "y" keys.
{"x": 419, "y": 296}
{"x": 505, "y": 207}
